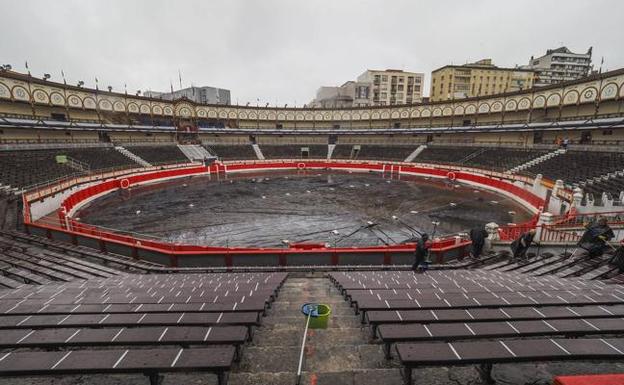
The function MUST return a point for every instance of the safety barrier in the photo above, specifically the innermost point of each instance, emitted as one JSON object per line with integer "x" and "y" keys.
{"x": 67, "y": 228}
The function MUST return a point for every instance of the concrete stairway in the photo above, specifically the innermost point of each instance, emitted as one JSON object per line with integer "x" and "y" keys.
{"x": 77, "y": 165}
{"x": 340, "y": 354}
{"x": 535, "y": 161}
{"x": 133, "y": 156}
{"x": 258, "y": 151}
{"x": 415, "y": 153}
{"x": 195, "y": 152}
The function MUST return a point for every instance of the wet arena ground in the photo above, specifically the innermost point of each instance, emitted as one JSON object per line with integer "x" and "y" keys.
{"x": 322, "y": 207}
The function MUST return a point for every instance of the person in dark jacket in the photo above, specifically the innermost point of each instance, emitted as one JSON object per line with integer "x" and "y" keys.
{"x": 520, "y": 246}
{"x": 596, "y": 236}
{"x": 478, "y": 235}
{"x": 618, "y": 257}
{"x": 422, "y": 249}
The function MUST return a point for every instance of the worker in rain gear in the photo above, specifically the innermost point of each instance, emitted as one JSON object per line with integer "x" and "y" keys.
{"x": 421, "y": 252}
{"x": 478, "y": 235}
{"x": 595, "y": 238}
{"x": 618, "y": 257}
{"x": 520, "y": 246}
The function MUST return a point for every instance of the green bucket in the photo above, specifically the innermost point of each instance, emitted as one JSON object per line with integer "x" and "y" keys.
{"x": 319, "y": 315}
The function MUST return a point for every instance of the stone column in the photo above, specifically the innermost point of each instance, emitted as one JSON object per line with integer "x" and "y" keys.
{"x": 558, "y": 186}
{"x": 577, "y": 197}
{"x": 537, "y": 182}
{"x": 492, "y": 230}
{"x": 544, "y": 219}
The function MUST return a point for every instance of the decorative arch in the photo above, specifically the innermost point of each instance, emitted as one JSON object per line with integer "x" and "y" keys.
{"x": 168, "y": 110}
{"x": 223, "y": 115}
{"x": 134, "y": 108}
{"x": 232, "y": 115}
{"x": 212, "y": 113}
{"x": 40, "y": 96}
{"x": 415, "y": 113}
{"x": 74, "y": 101}
{"x": 366, "y": 115}
{"x": 553, "y": 100}
{"x": 459, "y": 110}
{"x": 589, "y": 94}
{"x": 471, "y": 109}
{"x": 242, "y": 115}
{"x": 524, "y": 104}
{"x": 539, "y": 101}
{"x": 609, "y": 91}
{"x": 497, "y": 106}
{"x": 385, "y": 115}
{"x": 89, "y": 103}
{"x": 571, "y": 97}
{"x": 395, "y": 115}
{"x": 5, "y": 91}
{"x": 105, "y": 105}
{"x": 375, "y": 115}
{"x": 57, "y": 99}
{"x": 425, "y": 113}
{"x": 20, "y": 93}
{"x": 484, "y": 108}
{"x": 437, "y": 112}
{"x": 405, "y": 114}
{"x": 511, "y": 105}
{"x": 145, "y": 109}
{"x": 157, "y": 110}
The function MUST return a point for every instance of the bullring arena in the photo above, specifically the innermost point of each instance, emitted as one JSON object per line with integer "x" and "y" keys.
{"x": 171, "y": 242}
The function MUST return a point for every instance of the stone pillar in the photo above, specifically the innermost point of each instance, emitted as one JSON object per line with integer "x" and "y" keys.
{"x": 537, "y": 182}
{"x": 606, "y": 201}
{"x": 558, "y": 186}
{"x": 621, "y": 196}
{"x": 577, "y": 197}
{"x": 545, "y": 219}
{"x": 492, "y": 230}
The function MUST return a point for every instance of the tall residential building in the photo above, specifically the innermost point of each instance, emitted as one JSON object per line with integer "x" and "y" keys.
{"x": 477, "y": 79}
{"x": 350, "y": 94}
{"x": 202, "y": 95}
{"x": 393, "y": 86}
{"x": 560, "y": 65}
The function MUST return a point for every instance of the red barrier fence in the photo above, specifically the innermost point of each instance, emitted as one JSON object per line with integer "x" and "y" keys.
{"x": 590, "y": 379}
{"x": 141, "y": 244}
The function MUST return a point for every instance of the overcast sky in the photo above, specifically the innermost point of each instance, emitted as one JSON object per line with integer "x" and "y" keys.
{"x": 283, "y": 50}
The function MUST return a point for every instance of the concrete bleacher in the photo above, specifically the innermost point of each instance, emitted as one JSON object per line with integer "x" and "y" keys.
{"x": 579, "y": 166}
{"x": 494, "y": 158}
{"x": 62, "y": 315}
{"x": 19, "y": 169}
{"x": 232, "y": 151}
{"x": 480, "y": 317}
{"x": 157, "y": 155}
{"x": 294, "y": 151}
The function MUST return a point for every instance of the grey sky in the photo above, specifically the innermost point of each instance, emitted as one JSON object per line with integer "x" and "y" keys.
{"x": 283, "y": 50}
